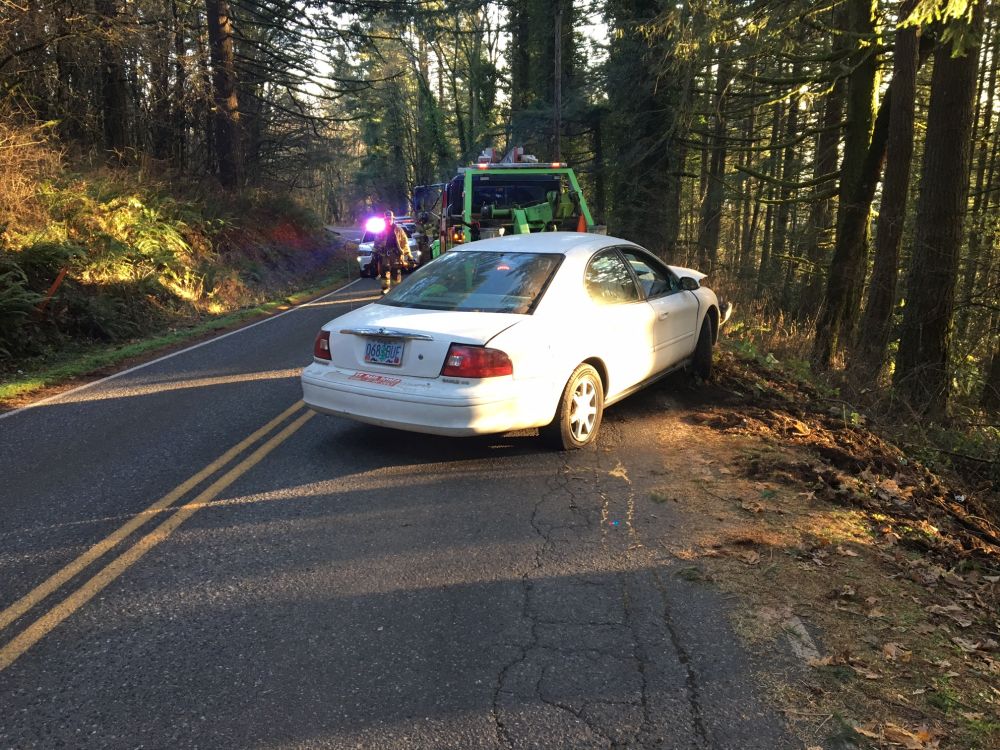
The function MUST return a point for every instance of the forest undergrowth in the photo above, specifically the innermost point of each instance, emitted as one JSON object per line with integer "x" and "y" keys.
{"x": 966, "y": 444}
{"x": 92, "y": 257}
{"x": 811, "y": 509}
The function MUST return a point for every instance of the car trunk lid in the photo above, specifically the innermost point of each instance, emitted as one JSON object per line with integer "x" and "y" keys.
{"x": 408, "y": 342}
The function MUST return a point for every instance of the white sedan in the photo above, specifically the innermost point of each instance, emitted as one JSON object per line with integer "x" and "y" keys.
{"x": 538, "y": 330}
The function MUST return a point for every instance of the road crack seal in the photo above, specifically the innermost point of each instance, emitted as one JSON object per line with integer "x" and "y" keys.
{"x": 691, "y": 677}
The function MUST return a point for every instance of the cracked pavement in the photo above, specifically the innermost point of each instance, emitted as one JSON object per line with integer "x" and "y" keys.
{"x": 621, "y": 652}
{"x": 359, "y": 587}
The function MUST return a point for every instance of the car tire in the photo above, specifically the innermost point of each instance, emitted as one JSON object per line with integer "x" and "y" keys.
{"x": 578, "y": 416}
{"x": 701, "y": 362}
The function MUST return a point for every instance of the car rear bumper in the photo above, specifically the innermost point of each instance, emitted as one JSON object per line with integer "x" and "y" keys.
{"x": 421, "y": 404}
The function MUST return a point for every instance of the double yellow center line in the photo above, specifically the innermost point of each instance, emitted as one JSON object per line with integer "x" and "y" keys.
{"x": 10, "y": 652}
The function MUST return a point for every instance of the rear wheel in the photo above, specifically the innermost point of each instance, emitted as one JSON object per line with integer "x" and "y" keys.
{"x": 581, "y": 407}
{"x": 701, "y": 363}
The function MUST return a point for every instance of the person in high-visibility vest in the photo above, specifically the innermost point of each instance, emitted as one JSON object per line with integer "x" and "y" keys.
{"x": 391, "y": 251}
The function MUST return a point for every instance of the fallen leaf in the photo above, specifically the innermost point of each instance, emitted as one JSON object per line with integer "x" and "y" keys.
{"x": 823, "y": 661}
{"x": 865, "y": 731}
{"x": 868, "y": 674}
{"x": 921, "y": 739}
{"x": 800, "y": 428}
{"x": 751, "y": 557}
{"x": 953, "y": 612}
{"x": 953, "y": 578}
{"x": 992, "y": 579}
{"x": 752, "y": 506}
{"x": 896, "y": 652}
{"x": 843, "y": 552}
{"x": 875, "y": 613}
{"x": 966, "y": 645}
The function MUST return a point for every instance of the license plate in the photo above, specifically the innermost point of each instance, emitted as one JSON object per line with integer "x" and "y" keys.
{"x": 384, "y": 352}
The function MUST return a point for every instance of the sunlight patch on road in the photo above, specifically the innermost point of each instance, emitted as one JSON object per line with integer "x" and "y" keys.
{"x": 156, "y": 388}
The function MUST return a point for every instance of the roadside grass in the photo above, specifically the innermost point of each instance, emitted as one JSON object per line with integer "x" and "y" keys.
{"x": 79, "y": 362}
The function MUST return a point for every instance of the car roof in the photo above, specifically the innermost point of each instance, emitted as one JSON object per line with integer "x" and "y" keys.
{"x": 563, "y": 243}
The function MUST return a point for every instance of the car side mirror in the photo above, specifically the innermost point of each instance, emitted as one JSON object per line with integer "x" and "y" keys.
{"x": 689, "y": 284}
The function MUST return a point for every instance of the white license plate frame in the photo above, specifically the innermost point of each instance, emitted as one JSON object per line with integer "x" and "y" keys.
{"x": 384, "y": 352}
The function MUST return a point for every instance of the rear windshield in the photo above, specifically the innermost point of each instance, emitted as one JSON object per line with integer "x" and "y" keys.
{"x": 474, "y": 281}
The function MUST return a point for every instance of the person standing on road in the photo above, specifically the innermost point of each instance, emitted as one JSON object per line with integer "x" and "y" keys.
{"x": 390, "y": 250}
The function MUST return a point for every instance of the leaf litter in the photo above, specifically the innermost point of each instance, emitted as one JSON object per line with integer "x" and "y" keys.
{"x": 874, "y": 552}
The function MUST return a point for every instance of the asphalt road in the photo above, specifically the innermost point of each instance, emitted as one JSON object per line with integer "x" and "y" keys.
{"x": 351, "y": 234}
{"x": 189, "y": 559}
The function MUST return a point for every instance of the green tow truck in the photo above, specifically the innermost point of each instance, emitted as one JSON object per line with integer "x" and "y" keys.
{"x": 493, "y": 198}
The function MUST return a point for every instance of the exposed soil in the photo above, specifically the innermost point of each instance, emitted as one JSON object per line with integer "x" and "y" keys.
{"x": 878, "y": 581}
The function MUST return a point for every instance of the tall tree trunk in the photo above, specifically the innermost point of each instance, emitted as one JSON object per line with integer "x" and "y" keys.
{"x": 765, "y": 274}
{"x": 114, "y": 95}
{"x": 991, "y": 390}
{"x": 922, "y": 364}
{"x": 179, "y": 114}
{"x": 520, "y": 59}
{"x": 783, "y": 212}
{"x": 846, "y": 273}
{"x": 819, "y": 230}
{"x": 715, "y": 192}
{"x": 600, "y": 185}
{"x": 647, "y": 119}
{"x": 747, "y": 259}
{"x": 977, "y": 227}
{"x": 161, "y": 125}
{"x": 227, "y": 110}
{"x": 872, "y": 343}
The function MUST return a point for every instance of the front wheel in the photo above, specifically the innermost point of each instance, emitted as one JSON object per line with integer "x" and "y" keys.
{"x": 581, "y": 407}
{"x": 701, "y": 363}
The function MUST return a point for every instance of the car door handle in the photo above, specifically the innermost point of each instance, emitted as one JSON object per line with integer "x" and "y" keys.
{"x": 663, "y": 315}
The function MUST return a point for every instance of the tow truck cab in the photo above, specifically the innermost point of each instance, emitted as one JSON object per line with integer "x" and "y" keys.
{"x": 516, "y": 195}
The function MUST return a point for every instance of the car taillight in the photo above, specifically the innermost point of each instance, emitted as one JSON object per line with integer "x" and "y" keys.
{"x": 321, "y": 349}
{"x": 476, "y": 362}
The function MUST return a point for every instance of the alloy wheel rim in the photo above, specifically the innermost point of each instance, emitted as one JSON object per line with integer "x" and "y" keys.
{"x": 583, "y": 415}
